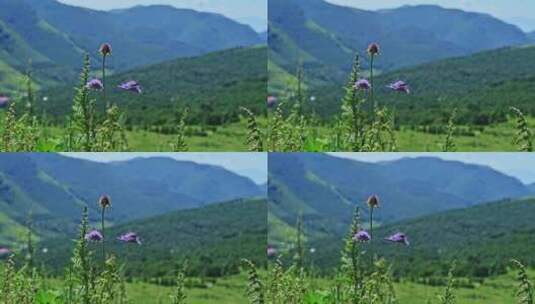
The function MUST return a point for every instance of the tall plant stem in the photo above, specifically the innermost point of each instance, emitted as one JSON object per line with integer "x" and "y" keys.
{"x": 104, "y": 237}
{"x": 371, "y": 238}
{"x": 372, "y": 99}
{"x": 104, "y": 80}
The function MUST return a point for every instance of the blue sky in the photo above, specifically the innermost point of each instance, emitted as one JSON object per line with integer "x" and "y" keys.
{"x": 252, "y": 12}
{"x": 518, "y": 12}
{"x": 252, "y": 165}
{"x": 519, "y": 165}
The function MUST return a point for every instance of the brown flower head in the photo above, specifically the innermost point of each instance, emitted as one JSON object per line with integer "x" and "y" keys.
{"x": 105, "y": 49}
{"x": 373, "y": 49}
{"x": 373, "y": 201}
{"x": 104, "y": 201}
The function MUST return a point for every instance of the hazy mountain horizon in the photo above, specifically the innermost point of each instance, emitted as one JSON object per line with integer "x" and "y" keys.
{"x": 518, "y": 15}
{"x": 249, "y": 12}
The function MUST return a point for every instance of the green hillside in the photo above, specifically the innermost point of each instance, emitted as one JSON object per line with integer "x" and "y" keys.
{"x": 324, "y": 37}
{"x": 482, "y": 86}
{"x": 482, "y": 239}
{"x": 54, "y": 36}
{"x": 325, "y": 189}
{"x": 44, "y": 187}
{"x": 213, "y": 240}
{"x": 146, "y": 34}
{"x": 214, "y": 86}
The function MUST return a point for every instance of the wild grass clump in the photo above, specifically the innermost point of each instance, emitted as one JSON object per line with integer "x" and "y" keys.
{"x": 180, "y": 144}
{"x": 525, "y": 290}
{"x": 524, "y": 135}
{"x": 20, "y": 131}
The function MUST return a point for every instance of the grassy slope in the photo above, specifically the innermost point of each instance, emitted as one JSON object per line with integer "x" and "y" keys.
{"x": 478, "y": 85}
{"x": 230, "y": 290}
{"x": 497, "y": 137}
{"x": 482, "y": 240}
{"x": 498, "y": 289}
{"x": 227, "y": 290}
{"x": 231, "y": 137}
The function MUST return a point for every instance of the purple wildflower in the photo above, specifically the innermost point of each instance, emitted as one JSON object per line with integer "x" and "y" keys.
{"x": 271, "y": 252}
{"x": 373, "y": 49}
{"x": 400, "y": 86}
{"x": 105, "y": 49}
{"x": 362, "y": 236}
{"x": 4, "y": 251}
{"x": 132, "y": 86}
{"x": 272, "y": 101}
{"x": 398, "y": 238}
{"x": 362, "y": 84}
{"x": 4, "y": 101}
{"x": 95, "y": 84}
{"x": 94, "y": 235}
{"x": 130, "y": 237}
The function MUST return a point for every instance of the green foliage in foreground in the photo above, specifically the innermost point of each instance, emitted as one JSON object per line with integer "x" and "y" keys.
{"x": 230, "y": 137}
{"x": 498, "y": 137}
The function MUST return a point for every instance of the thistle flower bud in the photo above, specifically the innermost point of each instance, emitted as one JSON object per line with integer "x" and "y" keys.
{"x": 4, "y": 251}
{"x": 272, "y": 101}
{"x": 271, "y": 252}
{"x": 362, "y": 236}
{"x": 105, "y": 49}
{"x": 4, "y": 101}
{"x": 132, "y": 86}
{"x": 95, "y": 84}
{"x": 373, "y": 49}
{"x": 398, "y": 238}
{"x": 362, "y": 84}
{"x": 130, "y": 237}
{"x": 373, "y": 201}
{"x": 104, "y": 201}
{"x": 94, "y": 235}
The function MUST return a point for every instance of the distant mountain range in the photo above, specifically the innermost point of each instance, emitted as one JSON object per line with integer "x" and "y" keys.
{"x": 52, "y": 188}
{"x": 325, "y": 189}
{"x": 54, "y": 37}
{"x": 325, "y": 37}
{"x": 214, "y": 86}
{"x": 213, "y": 239}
